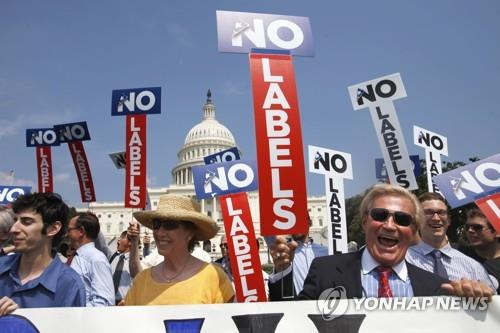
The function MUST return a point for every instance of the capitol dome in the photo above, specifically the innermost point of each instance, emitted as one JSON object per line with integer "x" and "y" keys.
{"x": 206, "y": 138}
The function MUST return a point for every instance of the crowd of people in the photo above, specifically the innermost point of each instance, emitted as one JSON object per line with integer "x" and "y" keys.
{"x": 54, "y": 256}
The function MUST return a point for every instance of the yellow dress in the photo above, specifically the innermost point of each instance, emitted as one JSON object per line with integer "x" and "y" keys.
{"x": 209, "y": 285}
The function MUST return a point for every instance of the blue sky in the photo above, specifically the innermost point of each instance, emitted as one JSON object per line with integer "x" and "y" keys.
{"x": 60, "y": 60}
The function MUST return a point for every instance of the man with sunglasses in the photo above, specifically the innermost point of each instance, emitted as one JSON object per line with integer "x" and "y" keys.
{"x": 434, "y": 253}
{"x": 484, "y": 242}
{"x": 390, "y": 217}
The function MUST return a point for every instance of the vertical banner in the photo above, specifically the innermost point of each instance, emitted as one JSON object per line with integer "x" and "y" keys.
{"x": 490, "y": 206}
{"x": 135, "y": 166}
{"x": 335, "y": 166}
{"x": 243, "y": 251}
{"x": 82, "y": 171}
{"x": 44, "y": 167}
{"x": 282, "y": 184}
{"x": 435, "y": 145}
{"x": 378, "y": 95}
{"x": 74, "y": 134}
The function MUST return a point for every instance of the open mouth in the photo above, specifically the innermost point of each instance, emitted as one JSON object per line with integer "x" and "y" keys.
{"x": 437, "y": 226}
{"x": 387, "y": 241}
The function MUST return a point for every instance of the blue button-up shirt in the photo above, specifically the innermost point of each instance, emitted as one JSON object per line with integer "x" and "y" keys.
{"x": 57, "y": 286}
{"x": 95, "y": 271}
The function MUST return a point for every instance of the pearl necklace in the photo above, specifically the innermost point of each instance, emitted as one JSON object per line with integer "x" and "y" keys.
{"x": 170, "y": 279}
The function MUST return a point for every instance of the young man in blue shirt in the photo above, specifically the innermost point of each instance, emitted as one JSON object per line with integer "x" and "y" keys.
{"x": 34, "y": 276}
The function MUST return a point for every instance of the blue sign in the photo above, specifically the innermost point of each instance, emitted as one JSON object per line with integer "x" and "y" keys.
{"x": 136, "y": 101}
{"x": 381, "y": 170}
{"x": 72, "y": 132}
{"x": 223, "y": 178}
{"x": 9, "y": 194}
{"x": 240, "y": 32}
{"x": 470, "y": 182}
{"x": 41, "y": 137}
{"x": 228, "y": 155}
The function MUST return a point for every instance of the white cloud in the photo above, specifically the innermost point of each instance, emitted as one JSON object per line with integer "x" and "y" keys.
{"x": 180, "y": 35}
{"x": 64, "y": 177}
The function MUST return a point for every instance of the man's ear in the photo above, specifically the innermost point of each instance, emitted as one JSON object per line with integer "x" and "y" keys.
{"x": 54, "y": 228}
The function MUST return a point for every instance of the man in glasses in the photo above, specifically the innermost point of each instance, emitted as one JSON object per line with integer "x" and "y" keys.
{"x": 434, "y": 253}
{"x": 483, "y": 241}
{"x": 90, "y": 263}
{"x": 390, "y": 217}
{"x": 33, "y": 276}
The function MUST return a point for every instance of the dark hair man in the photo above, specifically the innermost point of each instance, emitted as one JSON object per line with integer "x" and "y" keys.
{"x": 34, "y": 276}
{"x": 484, "y": 242}
{"x": 89, "y": 262}
{"x": 120, "y": 267}
{"x": 434, "y": 253}
{"x": 390, "y": 217}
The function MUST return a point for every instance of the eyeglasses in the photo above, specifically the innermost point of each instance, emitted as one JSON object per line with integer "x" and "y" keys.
{"x": 166, "y": 225}
{"x": 475, "y": 227}
{"x": 431, "y": 212}
{"x": 223, "y": 245}
{"x": 381, "y": 215}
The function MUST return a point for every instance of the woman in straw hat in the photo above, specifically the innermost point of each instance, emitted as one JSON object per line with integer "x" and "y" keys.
{"x": 181, "y": 278}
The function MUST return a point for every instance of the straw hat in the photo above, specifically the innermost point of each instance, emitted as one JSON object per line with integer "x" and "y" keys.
{"x": 180, "y": 208}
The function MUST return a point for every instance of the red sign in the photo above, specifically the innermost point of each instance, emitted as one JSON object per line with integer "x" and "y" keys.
{"x": 282, "y": 183}
{"x": 44, "y": 166}
{"x": 135, "y": 168}
{"x": 82, "y": 171}
{"x": 490, "y": 206}
{"x": 243, "y": 250}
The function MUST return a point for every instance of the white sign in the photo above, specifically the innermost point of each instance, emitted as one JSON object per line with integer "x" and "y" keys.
{"x": 435, "y": 145}
{"x": 336, "y": 166}
{"x": 378, "y": 95}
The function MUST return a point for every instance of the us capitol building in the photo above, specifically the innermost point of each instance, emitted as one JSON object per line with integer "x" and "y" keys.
{"x": 206, "y": 138}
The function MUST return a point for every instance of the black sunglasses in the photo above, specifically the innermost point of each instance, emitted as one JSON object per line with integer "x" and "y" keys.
{"x": 475, "y": 227}
{"x": 381, "y": 215}
{"x": 223, "y": 245}
{"x": 166, "y": 225}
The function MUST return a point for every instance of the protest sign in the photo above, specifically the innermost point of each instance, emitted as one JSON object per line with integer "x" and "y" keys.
{"x": 9, "y": 194}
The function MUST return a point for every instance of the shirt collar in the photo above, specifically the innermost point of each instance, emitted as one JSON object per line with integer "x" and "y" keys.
{"x": 368, "y": 264}
{"x": 426, "y": 249}
{"x": 10, "y": 262}
{"x": 49, "y": 277}
{"x": 84, "y": 248}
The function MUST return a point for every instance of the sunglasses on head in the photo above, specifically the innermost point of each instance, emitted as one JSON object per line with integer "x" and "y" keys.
{"x": 381, "y": 215}
{"x": 166, "y": 225}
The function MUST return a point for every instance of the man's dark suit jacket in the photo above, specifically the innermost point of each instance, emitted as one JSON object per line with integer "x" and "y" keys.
{"x": 345, "y": 270}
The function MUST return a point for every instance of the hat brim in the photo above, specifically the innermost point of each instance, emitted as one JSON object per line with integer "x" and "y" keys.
{"x": 206, "y": 228}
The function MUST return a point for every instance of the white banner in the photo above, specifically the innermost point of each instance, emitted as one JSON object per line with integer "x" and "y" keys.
{"x": 361, "y": 315}
{"x": 435, "y": 145}
{"x": 335, "y": 166}
{"x": 393, "y": 146}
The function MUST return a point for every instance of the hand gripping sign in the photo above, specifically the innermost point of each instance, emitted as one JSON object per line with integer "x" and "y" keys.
{"x": 336, "y": 166}
{"x": 378, "y": 95}
{"x": 238, "y": 224}
{"x": 135, "y": 104}
{"x": 9, "y": 194}
{"x": 74, "y": 134}
{"x": 435, "y": 145}
{"x": 282, "y": 185}
{"x": 470, "y": 182}
{"x": 43, "y": 139}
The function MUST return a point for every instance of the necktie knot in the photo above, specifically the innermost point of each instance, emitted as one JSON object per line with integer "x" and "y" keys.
{"x": 384, "y": 290}
{"x": 437, "y": 254}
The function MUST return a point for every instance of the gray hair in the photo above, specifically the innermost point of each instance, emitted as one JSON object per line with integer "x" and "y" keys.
{"x": 7, "y": 219}
{"x": 383, "y": 189}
